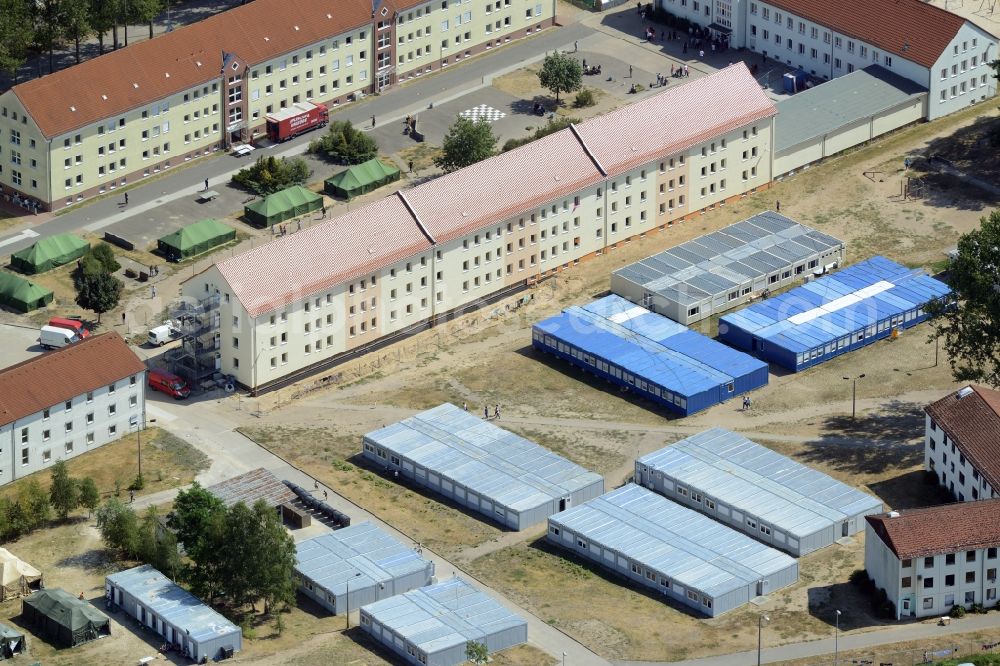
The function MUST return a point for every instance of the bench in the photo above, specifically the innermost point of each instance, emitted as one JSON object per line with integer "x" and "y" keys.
{"x": 207, "y": 195}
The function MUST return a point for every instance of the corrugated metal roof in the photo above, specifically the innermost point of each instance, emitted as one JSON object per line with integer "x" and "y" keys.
{"x": 251, "y": 486}
{"x": 740, "y": 252}
{"x": 838, "y": 103}
{"x": 758, "y": 481}
{"x": 833, "y": 306}
{"x": 649, "y": 345}
{"x": 676, "y": 119}
{"x": 483, "y": 457}
{"x": 440, "y": 616}
{"x": 173, "y": 603}
{"x": 361, "y": 554}
{"x": 679, "y": 542}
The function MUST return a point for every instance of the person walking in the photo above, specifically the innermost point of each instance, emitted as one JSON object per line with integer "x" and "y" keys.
{"x": 486, "y": 412}
{"x": 496, "y": 411}
{"x": 206, "y": 184}
{"x": 576, "y": 46}
{"x": 126, "y": 198}
{"x": 630, "y": 71}
{"x": 411, "y": 166}
{"x": 777, "y": 206}
{"x": 373, "y": 120}
{"x": 153, "y": 291}
{"x": 325, "y": 496}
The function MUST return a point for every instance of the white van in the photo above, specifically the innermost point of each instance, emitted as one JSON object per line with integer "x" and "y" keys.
{"x": 161, "y": 335}
{"x": 53, "y": 337}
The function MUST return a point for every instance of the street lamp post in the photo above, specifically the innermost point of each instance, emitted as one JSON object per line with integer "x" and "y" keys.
{"x": 854, "y": 394}
{"x": 761, "y": 619}
{"x": 138, "y": 444}
{"x": 347, "y": 600}
{"x": 836, "y": 640}
{"x": 564, "y": 659}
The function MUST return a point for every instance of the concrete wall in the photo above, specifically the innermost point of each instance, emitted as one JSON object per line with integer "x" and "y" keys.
{"x": 38, "y": 441}
{"x": 961, "y": 76}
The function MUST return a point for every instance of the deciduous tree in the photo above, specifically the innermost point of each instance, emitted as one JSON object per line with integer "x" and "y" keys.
{"x": 99, "y": 293}
{"x": 344, "y": 144}
{"x": 560, "y": 73}
{"x": 64, "y": 493}
{"x": 119, "y": 527}
{"x": 17, "y": 32}
{"x": 89, "y": 495}
{"x": 971, "y": 328}
{"x": 466, "y": 143}
{"x": 270, "y": 174}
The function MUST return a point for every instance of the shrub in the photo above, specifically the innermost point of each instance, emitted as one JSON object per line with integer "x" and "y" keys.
{"x": 977, "y": 609}
{"x": 860, "y": 578}
{"x": 106, "y": 256}
{"x": 957, "y": 611}
{"x": 551, "y": 127}
{"x": 344, "y": 144}
{"x": 269, "y": 175}
{"x": 584, "y": 98}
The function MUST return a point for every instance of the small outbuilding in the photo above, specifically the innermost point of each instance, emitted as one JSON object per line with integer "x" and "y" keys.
{"x": 195, "y": 239}
{"x": 361, "y": 179}
{"x": 672, "y": 549}
{"x": 251, "y": 486}
{"x": 17, "y": 577}
{"x": 48, "y": 253}
{"x": 757, "y": 491}
{"x": 167, "y": 609}
{"x": 358, "y": 565}
{"x": 12, "y": 642}
{"x": 280, "y": 206}
{"x": 481, "y": 466}
{"x": 58, "y": 616}
{"x": 432, "y": 626}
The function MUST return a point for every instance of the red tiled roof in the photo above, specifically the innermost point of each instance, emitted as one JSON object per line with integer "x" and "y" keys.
{"x": 949, "y": 528}
{"x": 912, "y": 29}
{"x": 973, "y": 423}
{"x": 360, "y": 242}
{"x": 386, "y": 231}
{"x": 56, "y": 376}
{"x": 505, "y": 185}
{"x": 676, "y": 119}
{"x": 148, "y": 71}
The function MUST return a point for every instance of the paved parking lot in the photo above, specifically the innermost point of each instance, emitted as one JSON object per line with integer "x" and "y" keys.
{"x": 19, "y": 344}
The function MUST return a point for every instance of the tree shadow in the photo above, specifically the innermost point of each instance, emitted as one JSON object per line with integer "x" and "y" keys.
{"x": 871, "y": 443}
{"x": 93, "y": 559}
{"x": 911, "y": 490}
{"x": 853, "y": 603}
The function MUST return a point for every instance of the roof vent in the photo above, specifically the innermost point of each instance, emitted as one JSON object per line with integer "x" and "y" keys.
{"x": 198, "y": 62}
{"x": 72, "y": 108}
{"x": 963, "y": 392}
{"x": 267, "y": 39}
{"x": 296, "y": 28}
{"x": 104, "y": 97}
{"x": 329, "y": 16}
{"x": 135, "y": 85}
{"x": 464, "y": 214}
{"x": 894, "y": 514}
{"x": 167, "y": 74}
{"x": 557, "y": 178}
{"x": 634, "y": 149}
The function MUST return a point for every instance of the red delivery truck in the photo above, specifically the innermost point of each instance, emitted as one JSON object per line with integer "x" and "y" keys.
{"x": 296, "y": 119}
{"x": 74, "y": 325}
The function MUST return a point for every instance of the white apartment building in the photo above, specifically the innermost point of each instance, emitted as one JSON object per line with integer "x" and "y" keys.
{"x": 962, "y": 442}
{"x": 305, "y": 302}
{"x": 69, "y": 401}
{"x": 923, "y": 43}
{"x": 929, "y": 560}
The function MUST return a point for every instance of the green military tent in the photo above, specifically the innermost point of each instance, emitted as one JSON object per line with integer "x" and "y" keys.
{"x": 58, "y": 615}
{"x": 48, "y": 253}
{"x": 361, "y": 179}
{"x": 22, "y": 295}
{"x": 194, "y": 239}
{"x": 11, "y": 642}
{"x": 284, "y": 205}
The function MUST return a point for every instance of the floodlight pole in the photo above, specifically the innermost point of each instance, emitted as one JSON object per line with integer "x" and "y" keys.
{"x": 854, "y": 394}
{"x": 836, "y": 640}
{"x": 761, "y": 619}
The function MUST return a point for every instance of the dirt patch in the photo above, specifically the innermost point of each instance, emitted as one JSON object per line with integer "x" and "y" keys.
{"x": 422, "y": 155}
{"x": 523, "y": 84}
{"x": 167, "y": 462}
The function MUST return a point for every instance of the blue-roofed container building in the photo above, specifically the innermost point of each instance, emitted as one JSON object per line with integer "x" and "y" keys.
{"x": 834, "y": 314}
{"x": 755, "y": 490}
{"x": 170, "y": 611}
{"x": 652, "y": 356}
{"x": 726, "y": 268}
{"x": 431, "y": 626}
{"x": 361, "y": 562}
{"x": 682, "y": 554}
{"x": 481, "y": 466}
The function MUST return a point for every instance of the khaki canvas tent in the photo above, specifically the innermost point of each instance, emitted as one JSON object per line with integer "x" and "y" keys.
{"x": 280, "y": 206}
{"x": 22, "y": 295}
{"x": 361, "y": 179}
{"x": 11, "y": 642}
{"x": 194, "y": 239}
{"x": 18, "y": 578}
{"x": 59, "y": 616}
{"x": 48, "y": 253}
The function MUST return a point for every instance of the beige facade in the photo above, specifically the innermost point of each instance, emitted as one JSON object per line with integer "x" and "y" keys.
{"x": 313, "y": 330}
{"x": 229, "y": 106}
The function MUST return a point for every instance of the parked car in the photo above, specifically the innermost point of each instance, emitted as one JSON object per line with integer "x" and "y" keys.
{"x": 53, "y": 337}
{"x": 161, "y": 335}
{"x": 169, "y": 383}
{"x": 74, "y": 325}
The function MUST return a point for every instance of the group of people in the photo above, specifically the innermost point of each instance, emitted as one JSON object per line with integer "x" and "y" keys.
{"x": 680, "y": 71}
{"x": 153, "y": 270}
{"x": 747, "y": 403}
{"x": 486, "y": 410}
{"x": 26, "y": 203}
{"x": 593, "y": 69}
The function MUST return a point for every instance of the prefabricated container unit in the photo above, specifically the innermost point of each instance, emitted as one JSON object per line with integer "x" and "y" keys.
{"x": 649, "y": 355}
{"x": 481, "y": 466}
{"x": 757, "y": 491}
{"x": 725, "y": 268}
{"x": 431, "y": 626}
{"x": 173, "y": 613}
{"x": 833, "y": 315}
{"x": 683, "y": 555}
{"x": 358, "y": 565}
